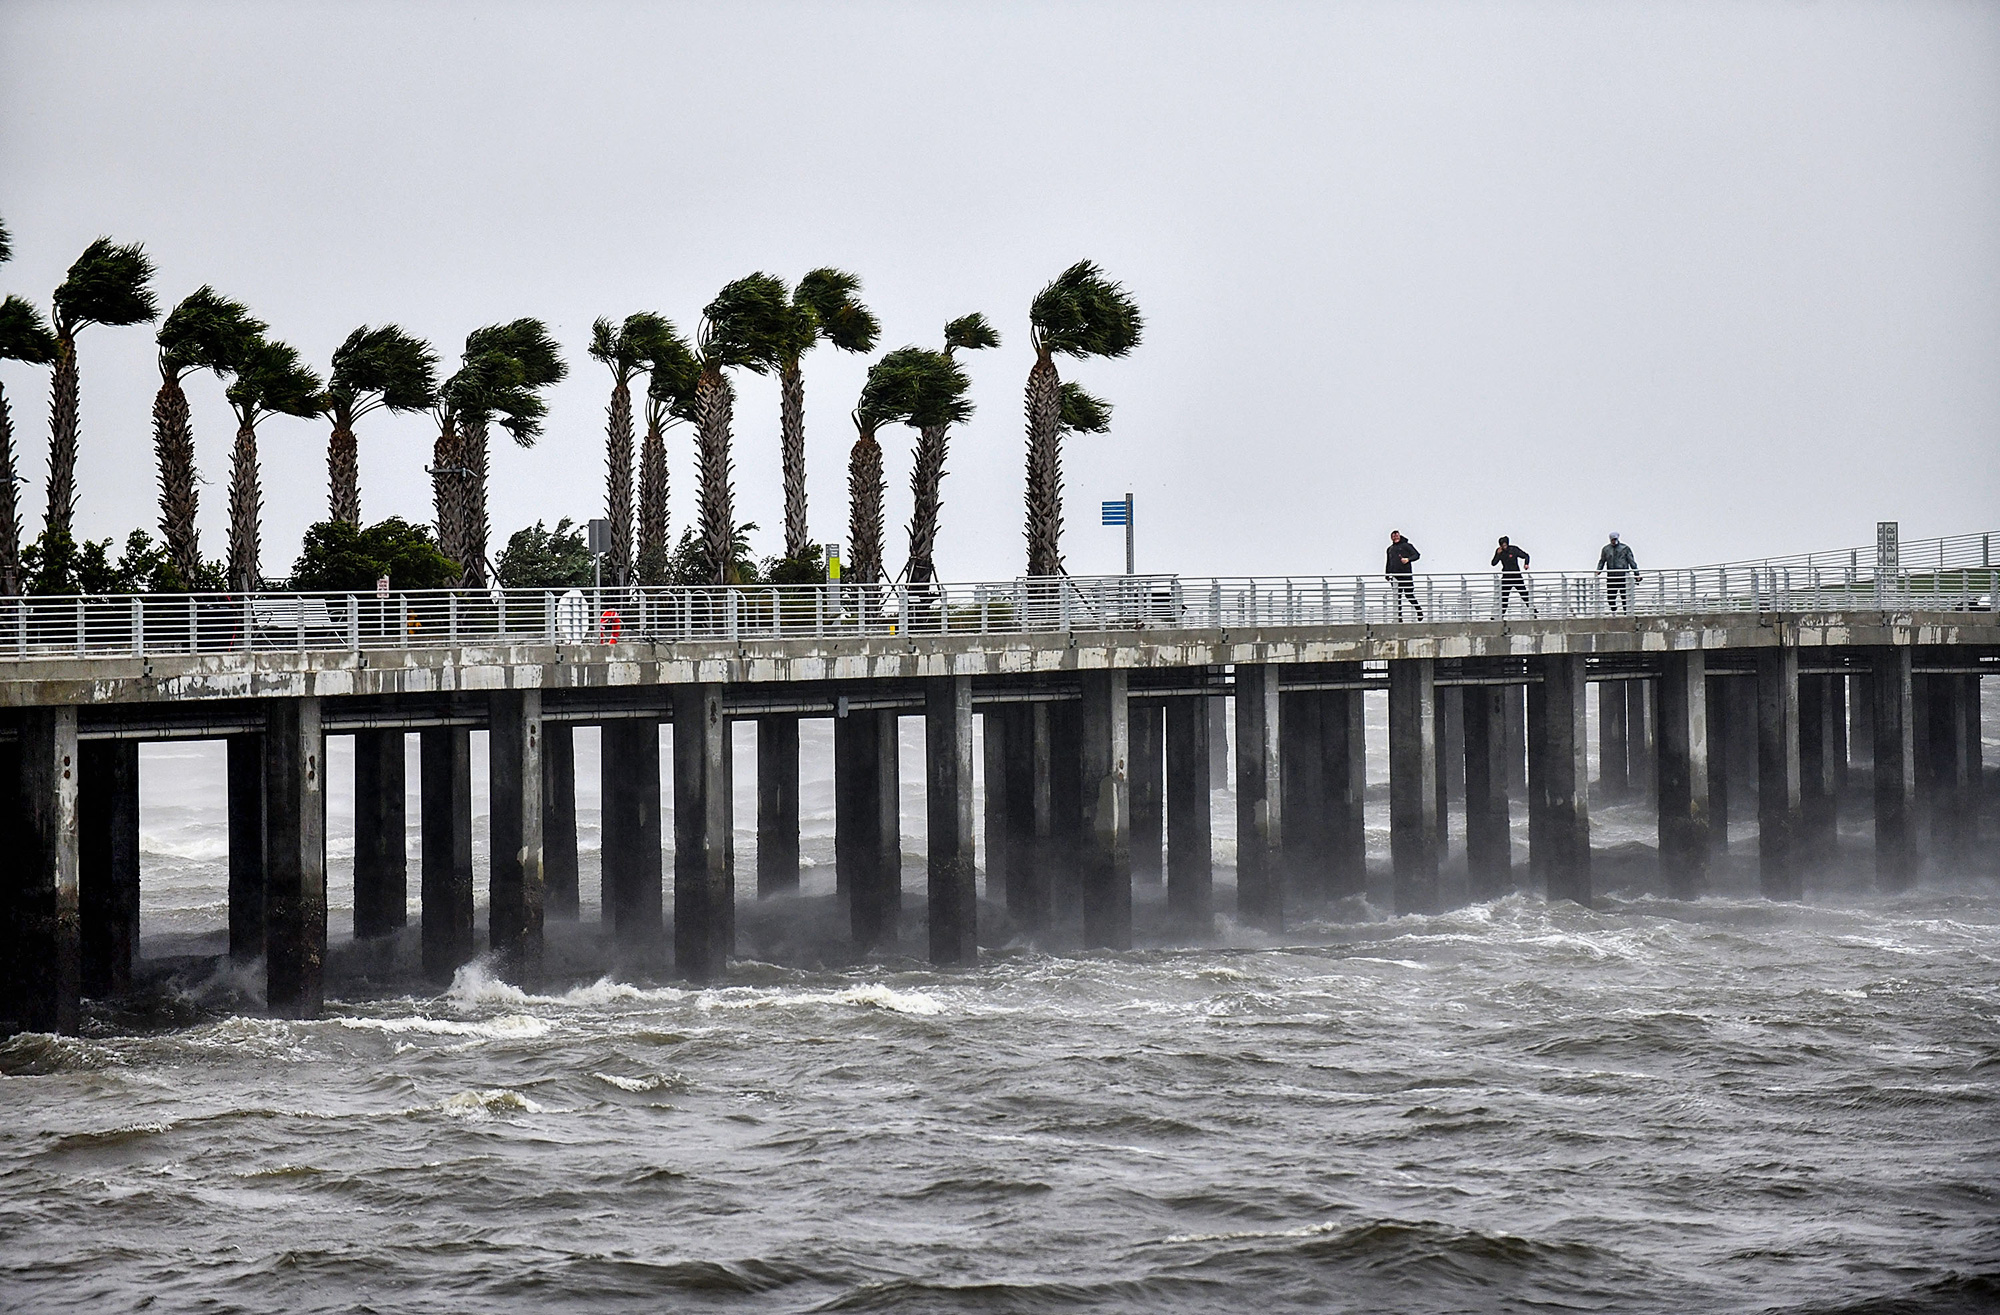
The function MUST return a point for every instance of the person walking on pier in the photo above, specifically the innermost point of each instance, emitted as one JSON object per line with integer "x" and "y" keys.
{"x": 1398, "y": 568}
{"x": 1510, "y": 560}
{"x": 1621, "y": 572}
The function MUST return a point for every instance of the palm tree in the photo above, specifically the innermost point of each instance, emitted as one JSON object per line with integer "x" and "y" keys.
{"x": 673, "y": 377}
{"x": 934, "y": 419}
{"x": 24, "y": 336}
{"x": 504, "y": 367}
{"x": 626, "y": 350}
{"x": 375, "y": 369}
{"x": 1080, "y": 314}
{"x": 106, "y": 285}
{"x": 270, "y": 379}
{"x": 899, "y": 386}
{"x": 207, "y": 331}
{"x": 823, "y": 307}
{"x": 744, "y": 326}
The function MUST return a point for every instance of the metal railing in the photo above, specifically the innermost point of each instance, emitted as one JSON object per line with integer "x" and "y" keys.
{"x": 1945, "y": 574}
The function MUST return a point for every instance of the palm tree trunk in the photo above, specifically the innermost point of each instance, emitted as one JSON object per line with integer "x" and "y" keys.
{"x": 618, "y": 482}
{"x": 246, "y": 509}
{"x": 865, "y": 495}
{"x": 653, "y": 504}
{"x": 1044, "y": 469}
{"x": 472, "y": 528}
{"x": 714, "y": 408}
{"x": 792, "y": 444}
{"x": 343, "y": 476}
{"x": 926, "y": 495}
{"x": 62, "y": 436}
{"x": 173, "y": 448}
{"x": 445, "y": 464}
{"x": 10, "y": 509}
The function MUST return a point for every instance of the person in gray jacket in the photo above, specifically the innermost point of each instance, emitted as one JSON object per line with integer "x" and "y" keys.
{"x": 1621, "y": 572}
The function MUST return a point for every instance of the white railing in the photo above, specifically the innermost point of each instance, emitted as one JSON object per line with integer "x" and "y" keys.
{"x": 1953, "y": 574}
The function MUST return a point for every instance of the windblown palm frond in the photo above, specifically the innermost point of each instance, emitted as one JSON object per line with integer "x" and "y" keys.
{"x": 24, "y": 334}
{"x": 971, "y": 333}
{"x": 6, "y": 244}
{"x": 746, "y": 324}
{"x": 1082, "y": 412}
{"x": 842, "y": 319}
{"x": 206, "y": 331}
{"x": 382, "y": 368}
{"x": 270, "y": 379}
{"x": 108, "y": 284}
{"x": 1082, "y": 313}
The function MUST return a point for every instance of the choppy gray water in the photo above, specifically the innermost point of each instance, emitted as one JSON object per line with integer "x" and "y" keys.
{"x": 1722, "y": 1105}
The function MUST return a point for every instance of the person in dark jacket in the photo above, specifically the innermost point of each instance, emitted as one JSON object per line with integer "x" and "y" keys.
{"x": 1510, "y": 560}
{"x": 1621, "y": 572}
{"x": 1398, "y": 568}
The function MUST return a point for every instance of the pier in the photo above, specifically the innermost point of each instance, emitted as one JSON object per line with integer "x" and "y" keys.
{"x": 1723, "y": 693}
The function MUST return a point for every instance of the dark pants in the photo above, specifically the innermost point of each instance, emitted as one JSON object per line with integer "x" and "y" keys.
{"x": 1617, "y": 587}
{"x": 1406, "y": 588}
{"x": 1514, "y": 582}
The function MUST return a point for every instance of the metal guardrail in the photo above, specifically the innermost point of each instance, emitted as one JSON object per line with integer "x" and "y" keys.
{"x": 1947, "y": 574}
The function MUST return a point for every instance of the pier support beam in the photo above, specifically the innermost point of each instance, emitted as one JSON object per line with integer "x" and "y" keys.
{"x": 444, "y": 782}
{"x": 1026, "y": 781}
{"x": 777, "y": 805}
{"x": 1778, "y": 823}
{"x": 867, "y": 834}
{"x": 953, "y": 878}
{"x": 704, "y": 885}
{"x": 1893, "y": 751}
{"x": 1613, "y": 742}
{"x": 107, "y": 809}
{"x": 1260, "y": 832}
{"x": 1343, "y": 729}
{"x": 516, "y": 893}
{"x": 1559, "y": 779}
{"x": 1489, "y": 846}
{"x": 246, "y": 847}
{"x": 1716, "y": 693}
{"x": 1517, "y": 740}
{"x": 1302, "y": 754}
{"x": 1149, "y": 808}
{"x": 993, "y": 823}
{"x": 634, "y": 900}
{"x": 562, "y": 900}
{"x": 41, "y": 876}
{"x": 1413, "y": 800}
{"x": 1641, "y": 738}
{"x": 1063, "y": 858}
{"x": 1952, "y": 742}
{"x": 1190, "y": 849}
{"x": 1819, "y": 806}
{"x": 1860, "y": 721}
{"x": 381, "y": 866}
{"x": 1218, "y": 742}
{"x": 1684, "y": 773}
{"x": 294, "y": 857}
{"x": 1104, "y": 744}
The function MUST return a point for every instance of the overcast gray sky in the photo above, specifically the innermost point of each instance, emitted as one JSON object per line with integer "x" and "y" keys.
{"x": 1725, "y": 277}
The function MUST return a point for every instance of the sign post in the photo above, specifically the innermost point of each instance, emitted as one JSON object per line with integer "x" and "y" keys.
{"x": 1120, "y": 513}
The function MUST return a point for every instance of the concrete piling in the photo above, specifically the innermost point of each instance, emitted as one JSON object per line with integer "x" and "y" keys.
{"x": 444, "y": 780}
{"x": 952, "y": 875}
{"x": 517, "y": 893}
{"x": 1893, "y": 754}
{"x": 1147, "y": 721}
{"x": 1641, "y": 738}
{"x": 1952, "y": 745}
{"x": 1613, "y": 743}
{"x": 1488, "y": 834}
{"x": 1260, "y": 832}
{"x": 1683, "y": 772}
{"x": 1105, "y": 866}
{"x": 107, "y": 809}
{"x": 381, "y": 866}
{"x": 1190, "y": 856}
{"x": 1558, "y": 778}
{"x": 1719, "y": 785}
{"x": 1030, "y": 815}
{"x": 1343, "y": 730}
{"x": 1779, "y": 825}
{"x": 634, "y": 899}
{"x": 777, "y": 805}
{"x": 294, "y": 857}
{"x": 42, "y": 875}
{"x": 561, "y": 898}
{"x": 1819, "y": 787}
{"x": 867, "y": 833}
{"x": 704, "y": 885}
{"x": 1302, "y": 775}
{"x": 246, "y": 847}
{"x": 1413, "y": 799}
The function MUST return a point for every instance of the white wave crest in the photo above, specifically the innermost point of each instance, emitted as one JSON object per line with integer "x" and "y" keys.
{"x": 508, "y": 1027}
{"x": 872, "y": 996}
{"x": 477, "y": 1106}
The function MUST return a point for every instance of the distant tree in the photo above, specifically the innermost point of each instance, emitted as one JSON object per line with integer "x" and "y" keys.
{"x": 206, "y": 331}
{"x": 1080, "y": 314}
{"x": 627, "y": 350}
{"x": 109, "y": 284}
{"x": 673, "y": 378}
{"x": 540, "y": 558}
{"x": 743, "y": 327}
{"x": 270, "y": 379}
{"x": 55, "y": 564}
{"x": 341, "y": 557}
{"x": 823, "y": 307}
{"x": 896, "y": 388}
{"x": 502, "y": 373}
{"x": 24, "y": 337}
{"x": 691, "y": 565}
{"x": 940, "y": 409}
{"x": 375, "y": 369}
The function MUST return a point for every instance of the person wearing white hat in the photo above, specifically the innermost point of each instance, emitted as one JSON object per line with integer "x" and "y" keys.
{"x": 1621, "y": 572}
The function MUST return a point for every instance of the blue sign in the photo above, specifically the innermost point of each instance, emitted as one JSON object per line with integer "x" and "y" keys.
{"x": 1116, "y": 513}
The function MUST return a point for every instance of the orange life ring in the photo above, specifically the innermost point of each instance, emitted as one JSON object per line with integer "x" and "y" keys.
{"x": 609, "y": 626}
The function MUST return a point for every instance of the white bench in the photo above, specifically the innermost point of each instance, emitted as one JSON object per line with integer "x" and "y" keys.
{"x": 279, "y": 617}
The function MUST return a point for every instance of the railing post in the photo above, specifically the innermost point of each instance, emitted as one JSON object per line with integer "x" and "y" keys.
{"x": 138, "y": 626}
{"x": 81, "y": 643}
{"x": 249, "y": 623}
{"x": 451, "y": 624}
